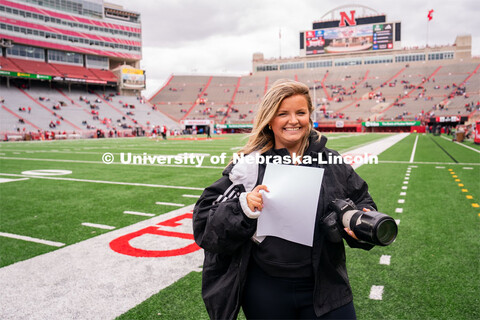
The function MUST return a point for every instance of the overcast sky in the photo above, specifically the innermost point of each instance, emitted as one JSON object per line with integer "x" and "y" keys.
{"x": 220, "y": 36}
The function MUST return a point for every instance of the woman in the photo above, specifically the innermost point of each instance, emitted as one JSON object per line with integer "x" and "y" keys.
{"x": 276, "y": 278}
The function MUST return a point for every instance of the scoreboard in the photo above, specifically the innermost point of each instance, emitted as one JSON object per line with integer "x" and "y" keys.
{"x": 350, "y": 35}
{"x": 382, "y": 36}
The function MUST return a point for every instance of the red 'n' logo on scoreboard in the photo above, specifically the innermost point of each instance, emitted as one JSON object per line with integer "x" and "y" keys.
{"x": 344, "y": 19}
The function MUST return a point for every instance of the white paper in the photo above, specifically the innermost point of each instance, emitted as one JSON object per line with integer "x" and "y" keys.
{"x": 290, "y": 208}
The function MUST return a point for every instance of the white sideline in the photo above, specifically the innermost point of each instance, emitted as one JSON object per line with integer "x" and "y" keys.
{"x": 376, "y": 147}
{"x": 413, "y": 151}
{"x": 461, "y": 144}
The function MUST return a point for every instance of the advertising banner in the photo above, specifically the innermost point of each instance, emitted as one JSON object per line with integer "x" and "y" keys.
{"x": 132, "y": 78}
{"x": 390, "y": 123}
{"x": 349, "y": 39}
{"x": 24, "y": 75}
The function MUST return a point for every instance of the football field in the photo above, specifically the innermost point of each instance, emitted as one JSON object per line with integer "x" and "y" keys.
{"x": 85, "y": 224}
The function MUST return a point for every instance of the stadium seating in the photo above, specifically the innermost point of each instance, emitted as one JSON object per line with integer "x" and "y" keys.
{"x": 35, "y": 67}
{"x": 70, "y": 71}
{"x": 55, "y": 69}
{"x": 102, "y": 74}
{"x": 8, "y": 65}
{"x": 354, "y": 93}
{"x": 415, "y": 91}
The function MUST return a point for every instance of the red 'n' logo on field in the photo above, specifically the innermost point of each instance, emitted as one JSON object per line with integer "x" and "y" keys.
{"x": 122, "y": 244}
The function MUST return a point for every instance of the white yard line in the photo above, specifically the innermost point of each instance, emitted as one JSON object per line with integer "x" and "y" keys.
{"x": 31, "y": 239}
{"x": 143, "y": 214}
{"x": 190, "y": 196}
{"x": 113, "y": 163}
{"x": 3, "y": 180}
{"x": 420, "y": 162}
{"x": 376, "y": 292}
{"x": 99, "y": 226}
{"x": 170, "y": 204}
{"x": 105, "y": 182}
{"x": 385, "y": 259}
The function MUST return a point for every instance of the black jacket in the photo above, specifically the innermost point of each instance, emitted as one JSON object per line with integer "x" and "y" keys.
{"x": 224, "y": 232}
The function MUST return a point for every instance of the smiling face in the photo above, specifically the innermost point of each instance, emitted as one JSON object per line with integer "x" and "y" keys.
{"x": 291, "y": 123}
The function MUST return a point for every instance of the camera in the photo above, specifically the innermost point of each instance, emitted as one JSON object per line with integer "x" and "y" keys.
{"x": 372, "y": 226}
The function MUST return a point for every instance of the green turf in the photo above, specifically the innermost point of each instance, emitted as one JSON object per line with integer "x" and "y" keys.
{"x": 435, "y": 257}
{"x": 434, "y": 267}
{"x": 181, "y": 301}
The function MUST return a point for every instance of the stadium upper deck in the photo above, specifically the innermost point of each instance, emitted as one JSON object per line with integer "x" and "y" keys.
{"x": 86, "y": 41}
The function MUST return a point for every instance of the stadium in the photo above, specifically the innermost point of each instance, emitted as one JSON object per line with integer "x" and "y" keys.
{"x": 98, "y": 182}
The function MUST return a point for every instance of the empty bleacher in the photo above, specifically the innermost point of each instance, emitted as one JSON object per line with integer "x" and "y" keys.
{"x": 69, "y": 71}
{"x": 7, "y": 65}
{"x": 35, "y": 67}
{"x": 353, "y": 94}
{"x": 106, "y": 75}
{"x": 57, "y": 70}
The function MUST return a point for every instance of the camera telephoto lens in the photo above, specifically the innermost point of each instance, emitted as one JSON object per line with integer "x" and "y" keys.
{"x": 370, "y": 226}
{"x": 386, "y": 231}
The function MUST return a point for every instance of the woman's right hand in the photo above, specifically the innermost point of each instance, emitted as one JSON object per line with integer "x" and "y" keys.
{"x": 255, "y": 199}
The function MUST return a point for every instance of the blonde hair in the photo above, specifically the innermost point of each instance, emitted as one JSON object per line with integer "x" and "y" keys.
{"x": 261, "y": 137}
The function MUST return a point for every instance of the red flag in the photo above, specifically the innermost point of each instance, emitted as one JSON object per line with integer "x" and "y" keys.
{"x": 429, "y": 16}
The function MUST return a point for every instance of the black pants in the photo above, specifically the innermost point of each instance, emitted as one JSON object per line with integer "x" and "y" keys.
{"x": 267, "y": 297}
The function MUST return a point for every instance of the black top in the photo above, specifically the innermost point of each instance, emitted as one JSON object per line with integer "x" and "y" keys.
{"x": 279, "y": 257}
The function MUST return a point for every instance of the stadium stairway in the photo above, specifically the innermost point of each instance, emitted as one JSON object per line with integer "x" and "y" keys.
{"x": 9, "y": 122}
{"x": 178, "y": 95}
{"x": 40, "y": 115}
{"x": 415, "y": 87}
{"x": 230, "y": 103}
{"x": 200, "y": 96}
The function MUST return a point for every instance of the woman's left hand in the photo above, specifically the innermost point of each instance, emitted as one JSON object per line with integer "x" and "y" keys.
{"x": 350, "y": 232}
